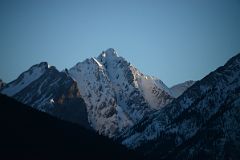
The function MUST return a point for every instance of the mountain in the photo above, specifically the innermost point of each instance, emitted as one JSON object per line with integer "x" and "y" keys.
{"x": 106, "y": 93}
{"x": 178, "y": 89}
{"x": 203, "y": 123}
{"x": 45, "y": 88}
{"x": 27, "y": 133}
{"x": 117, "y": 95}
{"x": 25, "y": 79}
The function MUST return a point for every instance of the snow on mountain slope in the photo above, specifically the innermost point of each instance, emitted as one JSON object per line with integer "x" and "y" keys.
{"x": 25, "y": 79}
{"x": 116, "y": 93}
{"x": 154, "y": 91}
{"x": 96, "y": 91}
{"x": 178, "y": 89}
{"x": 218, "y": 139}
{"x": 44, "y": 88}
{"x": 177, "y": 123}
{"x": 121, "y": 72}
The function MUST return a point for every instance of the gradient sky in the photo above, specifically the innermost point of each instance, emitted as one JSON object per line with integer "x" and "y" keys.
{"x": 171, "y": 39}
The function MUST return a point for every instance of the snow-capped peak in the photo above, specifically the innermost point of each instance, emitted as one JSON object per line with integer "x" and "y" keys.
{"x": 25, "y": 79}
{"x": 115, "y": 92}
{"x": 109, "y": 54}
{"x": 41, "y": 65}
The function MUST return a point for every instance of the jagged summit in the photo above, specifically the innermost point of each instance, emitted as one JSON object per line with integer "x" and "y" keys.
{"x": 111, "y": 60}
{"x": 108, "y": 54}
{"x": 42, "y": 64}
{"x": 111, "y": 52}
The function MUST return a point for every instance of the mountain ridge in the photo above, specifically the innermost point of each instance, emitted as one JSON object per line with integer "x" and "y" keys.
{"x": 209, "y": 108}
{"x": 108, "y": 95}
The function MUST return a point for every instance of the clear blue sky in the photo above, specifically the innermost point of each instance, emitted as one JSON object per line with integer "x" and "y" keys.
{"x": 171, "y": 39}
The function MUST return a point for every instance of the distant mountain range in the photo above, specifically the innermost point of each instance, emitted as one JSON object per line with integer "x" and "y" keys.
{"x": 109, "y": 95}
